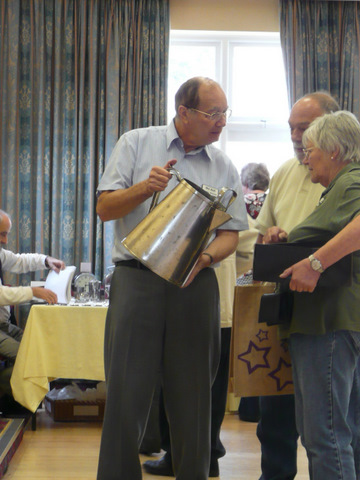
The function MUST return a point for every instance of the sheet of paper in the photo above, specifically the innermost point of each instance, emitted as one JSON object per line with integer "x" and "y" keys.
{"x": 60, "y": 283}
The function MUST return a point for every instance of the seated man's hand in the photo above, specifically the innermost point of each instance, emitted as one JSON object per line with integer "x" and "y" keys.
{"x": 54, "y": 264}
{"x": 45, "y": 294}
{"x": 275, "y": 235}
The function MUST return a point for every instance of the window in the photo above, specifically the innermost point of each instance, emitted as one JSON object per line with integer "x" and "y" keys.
{"x": 250, "y": 69}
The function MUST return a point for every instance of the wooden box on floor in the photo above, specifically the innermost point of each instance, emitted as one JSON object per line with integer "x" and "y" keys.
{"x": 260, "y": 362}
{"x": 75, "y": 410}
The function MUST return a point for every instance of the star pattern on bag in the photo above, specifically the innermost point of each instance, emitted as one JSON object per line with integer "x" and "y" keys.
{"x": 262, "y": 335}
{"x": 282, "y": 374}
{"x": 257, "y": 357}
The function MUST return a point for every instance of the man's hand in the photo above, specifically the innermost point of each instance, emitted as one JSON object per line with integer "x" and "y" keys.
{"x": 159, "y": 177}
{"x": 45, "y": 294}
{"x": 303, "y": 277}
{"x": 203, "y": 262}
{"x": 54, "y": 264}
{"x": 275, "y": 235}
{"x": 114, "y": 204}
{"x": 223, "y": 245}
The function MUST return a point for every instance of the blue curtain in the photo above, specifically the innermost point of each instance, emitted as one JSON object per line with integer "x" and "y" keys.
{"x": 321, "y": 44}
{"x": 74, "y": 76}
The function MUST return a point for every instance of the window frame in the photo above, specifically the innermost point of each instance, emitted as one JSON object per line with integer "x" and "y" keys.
{"x": 237, "y": 128}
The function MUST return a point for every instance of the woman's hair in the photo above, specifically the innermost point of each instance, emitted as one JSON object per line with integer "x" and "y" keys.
{"x": 255, "y": 176}
{"x": 337, "y": 130}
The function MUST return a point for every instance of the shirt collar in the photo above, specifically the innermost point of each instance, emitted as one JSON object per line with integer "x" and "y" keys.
{"x": 347, "y": 168}
{"x": 173, "y": 136}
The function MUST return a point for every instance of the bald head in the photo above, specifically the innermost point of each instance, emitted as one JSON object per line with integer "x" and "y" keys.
{"x": 325, "y": 101}
{"x": 304, "y": 111}
{"x": 5, "y": 227}
{"x": 188, "y": 93}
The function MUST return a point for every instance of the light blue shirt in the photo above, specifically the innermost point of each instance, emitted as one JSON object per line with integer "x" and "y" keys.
{"x": 137, "y": 151}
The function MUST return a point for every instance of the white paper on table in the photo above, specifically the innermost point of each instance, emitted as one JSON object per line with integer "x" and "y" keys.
{"x": 60, "y": 283}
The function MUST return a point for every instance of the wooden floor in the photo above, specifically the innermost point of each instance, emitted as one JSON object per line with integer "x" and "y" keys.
{"x": 64, "y": 451}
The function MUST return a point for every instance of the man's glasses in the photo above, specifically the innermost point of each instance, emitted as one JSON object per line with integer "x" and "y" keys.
{"x": 214, "y": 117}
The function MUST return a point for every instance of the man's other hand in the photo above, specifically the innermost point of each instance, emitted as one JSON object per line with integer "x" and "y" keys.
{"x": 45, "y": 294}
{"x": 54, "y": 264}
{"x": 275, "y": 235}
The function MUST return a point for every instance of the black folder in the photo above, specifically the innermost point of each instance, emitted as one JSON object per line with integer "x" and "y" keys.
{"x": 271, "y": 259}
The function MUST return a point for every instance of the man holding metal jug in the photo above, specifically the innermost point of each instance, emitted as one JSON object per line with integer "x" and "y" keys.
{"x": 153, "y": 325}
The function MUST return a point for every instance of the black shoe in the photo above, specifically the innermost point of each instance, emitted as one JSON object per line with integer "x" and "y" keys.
{"x": 159, "y": 467}
{"x": 214, "y": 468}
{"x": 163, "y": 468}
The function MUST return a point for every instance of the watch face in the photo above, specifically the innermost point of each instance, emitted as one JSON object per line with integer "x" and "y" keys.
{"x": 315, "y": 264}
{"x": 83, "y": 280}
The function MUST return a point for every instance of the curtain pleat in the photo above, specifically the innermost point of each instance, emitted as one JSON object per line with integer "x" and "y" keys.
{"x": 74, "y": 76}
{"x": 321, "y": 43}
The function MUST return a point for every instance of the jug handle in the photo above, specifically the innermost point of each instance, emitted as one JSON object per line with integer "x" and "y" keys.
{"x": 221, "y": 195}
{"x": 155, "y": 197}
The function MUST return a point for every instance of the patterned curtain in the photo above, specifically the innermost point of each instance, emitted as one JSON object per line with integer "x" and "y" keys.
{"x": 74, "y": 76}
{"x": 321, "y": 44}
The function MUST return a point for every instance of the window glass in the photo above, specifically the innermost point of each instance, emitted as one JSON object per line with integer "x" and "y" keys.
{"x": 188, "y": 60}
{"x": 264, "y": 80}
{"x": 249, "y": 67}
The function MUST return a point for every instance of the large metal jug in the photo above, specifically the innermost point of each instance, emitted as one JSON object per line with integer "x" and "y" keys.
{"x": 170, "y": 239}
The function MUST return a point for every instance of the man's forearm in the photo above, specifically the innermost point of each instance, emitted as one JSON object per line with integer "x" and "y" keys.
{"x": 223, "y": 245}
{"x": 118, "y": 203}
{"x": 15, "y": 295}
{"x": 22, "y": 262}
{"x": 112, "y": 205}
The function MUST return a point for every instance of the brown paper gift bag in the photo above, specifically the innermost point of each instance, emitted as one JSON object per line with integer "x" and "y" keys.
{"x": 260, "y": 361}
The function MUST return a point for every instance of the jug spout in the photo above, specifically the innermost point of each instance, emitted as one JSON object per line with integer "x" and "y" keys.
{"x": 219, "y": 219}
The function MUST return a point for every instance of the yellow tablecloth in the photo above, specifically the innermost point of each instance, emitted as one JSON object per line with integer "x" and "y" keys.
{"x": 58, "y": 342}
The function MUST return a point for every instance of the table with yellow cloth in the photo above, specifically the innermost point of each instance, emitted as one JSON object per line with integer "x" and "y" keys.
{"x": 58, "y": 342}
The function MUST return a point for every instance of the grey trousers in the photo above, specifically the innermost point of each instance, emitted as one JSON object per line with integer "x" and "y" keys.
{"x": 155, "y": 327}
{"x": 10, "y": 338}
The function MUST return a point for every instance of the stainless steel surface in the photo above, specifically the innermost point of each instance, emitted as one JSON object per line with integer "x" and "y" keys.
{"x": 171, "y": 237}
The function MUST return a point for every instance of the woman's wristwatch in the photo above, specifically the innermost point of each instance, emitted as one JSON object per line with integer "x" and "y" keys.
{"x": 315, "y": 264}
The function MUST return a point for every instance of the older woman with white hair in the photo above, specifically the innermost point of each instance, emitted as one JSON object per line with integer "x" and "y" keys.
{"x": 325, "y": 324}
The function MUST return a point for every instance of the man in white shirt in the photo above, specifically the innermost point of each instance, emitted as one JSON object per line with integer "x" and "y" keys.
{"x": 10, "y": 334}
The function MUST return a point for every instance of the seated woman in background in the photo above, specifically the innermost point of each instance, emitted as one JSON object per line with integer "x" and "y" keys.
{"x": 325, "y": 324}
{"x": 255, "y": 179}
